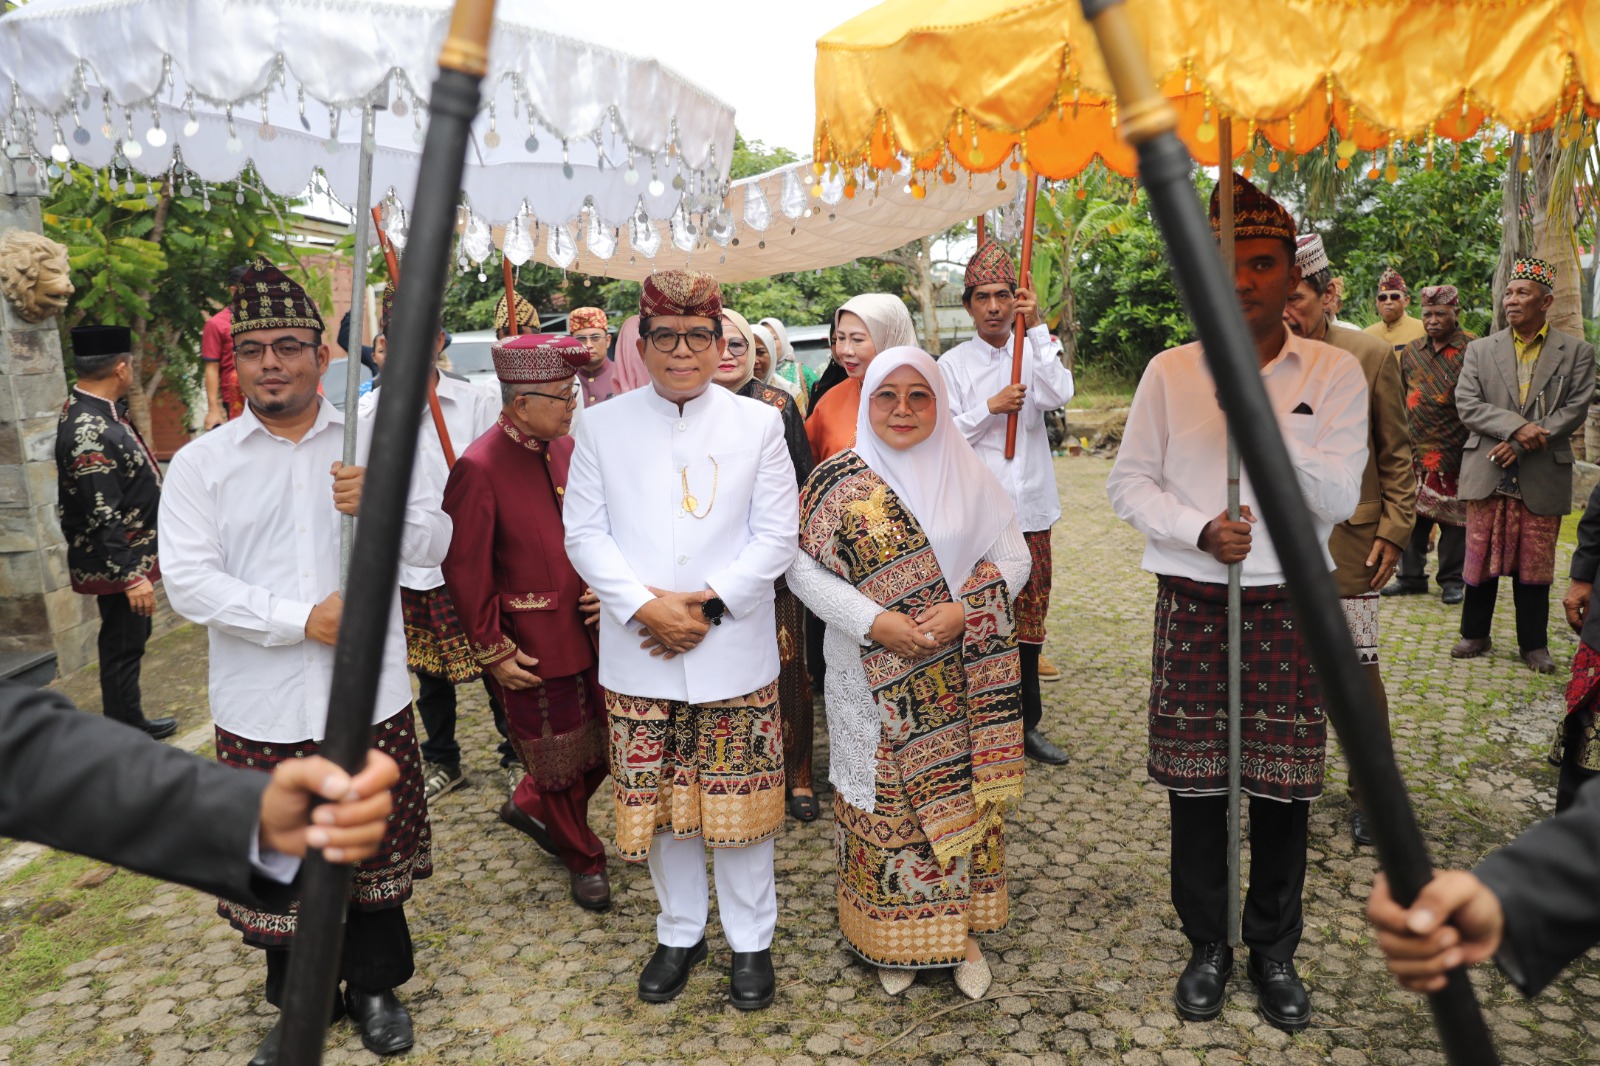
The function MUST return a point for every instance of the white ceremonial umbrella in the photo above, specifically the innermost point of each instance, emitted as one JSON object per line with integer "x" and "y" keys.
{"x": 569, "y": 131}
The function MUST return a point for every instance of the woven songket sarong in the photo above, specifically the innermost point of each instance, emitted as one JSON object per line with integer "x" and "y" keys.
{"x": 1283, "y": 736}
{"x": 1505, "y": 539}
{"x": 712, "y": 770}
{"x": 794, "y": 689}
{"x": 435, "y": 643}
{"x": 1361, "y": 615}
{"x": 404, "y": 856}
{"x": 1033, "y": 599}
{"x": 926, "y": 867}
{"x": 558, "y": 729}
{"x": 1583, "y": 696}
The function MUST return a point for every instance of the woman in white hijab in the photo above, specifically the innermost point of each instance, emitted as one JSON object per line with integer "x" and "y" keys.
{"x": 786, "y": 368}
{"x": 866, "y": 325}
{"x": 910, "y": 551}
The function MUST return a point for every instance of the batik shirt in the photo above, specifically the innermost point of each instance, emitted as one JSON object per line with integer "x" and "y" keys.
{"x": 110, "y": 488}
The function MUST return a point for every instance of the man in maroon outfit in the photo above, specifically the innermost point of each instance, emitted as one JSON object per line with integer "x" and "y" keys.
{"x": 525, "y": 609}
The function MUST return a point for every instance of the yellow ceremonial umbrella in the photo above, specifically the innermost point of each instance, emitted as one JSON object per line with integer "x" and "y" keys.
{"x": 971, "y": 83}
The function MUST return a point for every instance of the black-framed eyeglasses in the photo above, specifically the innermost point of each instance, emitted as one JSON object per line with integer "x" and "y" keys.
{"x": 286, "y": 348}
{"x": 568, "y": 398}
{"x": 666, "y": 340}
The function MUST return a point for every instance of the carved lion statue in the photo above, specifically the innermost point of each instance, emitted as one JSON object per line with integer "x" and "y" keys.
{"x": 34, "y": 275}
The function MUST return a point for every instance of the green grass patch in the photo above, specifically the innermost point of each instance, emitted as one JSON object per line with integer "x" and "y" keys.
{"x": 98, "y": 920}
{"x": 1099, "y": 387}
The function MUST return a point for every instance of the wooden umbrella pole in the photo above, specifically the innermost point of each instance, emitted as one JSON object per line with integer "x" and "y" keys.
{"x": 511, "y": 297}
{"x": 983, "y": 229}
{"x": 434, "y": 409}
{"x": 1019, "y": 329}
{"x": 383, "y": 242}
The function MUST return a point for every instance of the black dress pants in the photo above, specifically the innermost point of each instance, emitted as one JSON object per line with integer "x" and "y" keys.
{"x": 376, "y": 954}
{"x": 123, "y": 635}
{"x": 1413, "y": 573}
{"x": 1032, "y": 702}
{"x": 436, "y": 706}
{"x": 1272, "y": 919}
{"x": 1533, "y": 612}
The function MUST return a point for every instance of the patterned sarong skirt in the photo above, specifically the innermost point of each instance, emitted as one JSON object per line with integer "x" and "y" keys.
{"x": 435, "y": 642}
{"x": 1283, "y": 732}
{"x": 1033, "y": 601}
{"x": 898, "y": 906}
{"x": 709, "y": 770}
{"x": 383, "y": 881}
{"x": 1583, "y": 698}
{"x": 558, "y": 728}
{"x": 1505, "y": 539}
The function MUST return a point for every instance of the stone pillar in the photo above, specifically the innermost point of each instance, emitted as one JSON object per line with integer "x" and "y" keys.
{"x": 38, "y": 609}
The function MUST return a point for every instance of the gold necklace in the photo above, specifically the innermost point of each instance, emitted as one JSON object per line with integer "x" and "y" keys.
{"x": 690, "y": 504}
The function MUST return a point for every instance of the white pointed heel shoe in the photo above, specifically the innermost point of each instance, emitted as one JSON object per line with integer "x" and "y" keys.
{"x": 974, "y": 978}
{"x": 895, "y": 982}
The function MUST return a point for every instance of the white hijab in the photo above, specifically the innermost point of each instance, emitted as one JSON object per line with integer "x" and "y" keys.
{"x": 954, "y": 497}
{"x": 770, "y": 343}
{"x": 785, "y": 352}
{"x": 887, "y": 320}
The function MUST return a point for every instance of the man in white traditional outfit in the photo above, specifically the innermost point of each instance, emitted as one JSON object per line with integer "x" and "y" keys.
{"x": 250, "y": 549}
{"x": 1170, "y": 483}
{"x": 680, "y": 514}
{"x": 978, "y": 374}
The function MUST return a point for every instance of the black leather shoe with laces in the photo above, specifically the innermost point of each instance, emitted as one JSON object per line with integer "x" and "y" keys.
{"x": 1283, "y": 1000}
{"x": 1204, "y": 984}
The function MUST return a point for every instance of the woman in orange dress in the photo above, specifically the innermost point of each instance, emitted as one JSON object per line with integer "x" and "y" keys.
{"x": 866, "y": 325}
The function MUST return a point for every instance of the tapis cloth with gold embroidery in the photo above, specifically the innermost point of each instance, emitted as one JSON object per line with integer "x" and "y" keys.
{"x": 954, "y": 718}
{"x": 709, "y": 770}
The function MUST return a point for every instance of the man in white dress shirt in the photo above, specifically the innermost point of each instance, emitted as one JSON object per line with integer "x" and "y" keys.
{"x": 680, "y": 514}
{"x": 1170, "y": 483}
{"x": 978, "y": 374}
{"x": 437, "y": 650}
{"x": 250, "y": 549}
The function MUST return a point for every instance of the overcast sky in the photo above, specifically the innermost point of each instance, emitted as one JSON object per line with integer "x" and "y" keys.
{"x": 757, "y": 56}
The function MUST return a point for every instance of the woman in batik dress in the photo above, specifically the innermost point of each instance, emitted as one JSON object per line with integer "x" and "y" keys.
{"x": 911, "y": 553}
{"x": 736, "y": 372}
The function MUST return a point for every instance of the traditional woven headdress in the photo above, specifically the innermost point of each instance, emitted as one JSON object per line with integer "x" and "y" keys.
{"x": 270, "y": 299}
{"x": 586, "y": 318}
{"x": 1255, "y": 214}
{"x": 526, "y": 315}
{"x": 990, "y": 265}
{"x": 535, "y": 358}
{"x": 1441, "y": 296}
{"x": 1391, "y": 281}
{"x": 1530, "y": 269}
{"x": 681, "y": 292}
{"x": 1311, "y": 255}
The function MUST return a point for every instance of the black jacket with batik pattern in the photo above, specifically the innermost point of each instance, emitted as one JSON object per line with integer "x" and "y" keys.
{"x": 110, "y": 488}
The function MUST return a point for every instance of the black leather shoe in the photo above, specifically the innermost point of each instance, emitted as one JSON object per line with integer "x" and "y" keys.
{"x": 1402, "y": 588}
{"x": 1203, "y": 986}
{"x": 523, "y": 822}
{"x": 1037, "y": 746}
{"x": 664, "y": 976}
{"x": 1283, "y": 1001}
{"x": 267, "y": 1053}
{"x": 752, "y": 983}
{"x": 159, "y": 728}
{"x": 384, "y": 1021}
{"x": 1453, "y": 595}
{"x": 1359, "y": 830}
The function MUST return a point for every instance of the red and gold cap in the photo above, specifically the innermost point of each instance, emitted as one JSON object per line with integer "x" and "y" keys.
{"x": 586, "y": 318}
{"x": 1255, "y": 214}
{"x": 681, "y": 292}
{"x": 1391, "y": 281}
{"x": 536, "y": 358}
{"x": 991, "y": 264}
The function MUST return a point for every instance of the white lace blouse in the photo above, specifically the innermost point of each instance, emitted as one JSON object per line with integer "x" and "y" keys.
{"x": 854, "y": 724}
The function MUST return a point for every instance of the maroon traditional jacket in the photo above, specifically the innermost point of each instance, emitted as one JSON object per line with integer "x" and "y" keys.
{"x": 507, "y": 568}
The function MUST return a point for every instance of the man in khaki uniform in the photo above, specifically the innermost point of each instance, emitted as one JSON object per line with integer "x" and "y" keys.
{"x": 1366, "y": 548}
{"x": 1394, "y": 327}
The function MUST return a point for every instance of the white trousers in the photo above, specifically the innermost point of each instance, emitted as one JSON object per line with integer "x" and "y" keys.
{"x": 747, "y": 892}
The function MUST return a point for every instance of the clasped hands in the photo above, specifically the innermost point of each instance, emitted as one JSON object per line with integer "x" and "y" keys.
{"x": 673, "y": 622}
{"x": 1529, "y": 437}
{"x": 918, "y": 636}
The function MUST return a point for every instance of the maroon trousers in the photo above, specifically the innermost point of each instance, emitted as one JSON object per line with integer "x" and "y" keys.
{"x": 565, "y": 812}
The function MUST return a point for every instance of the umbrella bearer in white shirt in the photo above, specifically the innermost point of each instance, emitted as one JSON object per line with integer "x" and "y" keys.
{"x": 1170, "y": 482}
{"x": 250, "y": 549}
{"x": 437, "y": 650}
{"x": 978, "y": 375}
{"x": 680, "y": 514}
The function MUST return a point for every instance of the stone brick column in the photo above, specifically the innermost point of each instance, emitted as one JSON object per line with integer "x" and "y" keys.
{"x": 38, "y": 609}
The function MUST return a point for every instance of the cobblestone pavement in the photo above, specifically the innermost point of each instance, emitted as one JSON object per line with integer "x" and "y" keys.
{"x": 510, "y": 971}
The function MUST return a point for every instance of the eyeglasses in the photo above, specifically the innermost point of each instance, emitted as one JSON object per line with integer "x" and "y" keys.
{"x": 737, "y": 346}
{"x": 286, "y": 348}
{"x": 1385, "y": 297}
{"x": 569, "y": 399}
{"x": 887, "y": 401}
{"x": 666, "y": 340}
{"x": 592, "y": 338}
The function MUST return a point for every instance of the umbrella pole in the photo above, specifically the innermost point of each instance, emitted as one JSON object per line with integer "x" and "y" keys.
{"x": 1235, "y": 580}
{"x": 1019, "y": 333}
{"x": 358, "y": 660}
{"x": 358, "y": 319}
{"x": 512, "y": 325}
{"x": 1149, "y": 122}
